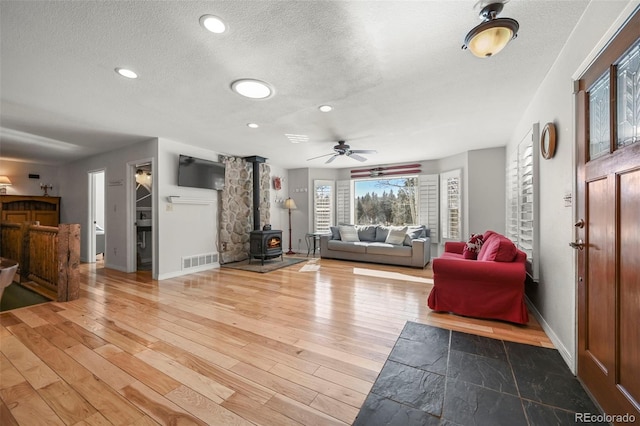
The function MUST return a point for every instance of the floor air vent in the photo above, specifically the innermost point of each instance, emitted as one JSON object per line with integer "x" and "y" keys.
{"x": 199, "y": 261}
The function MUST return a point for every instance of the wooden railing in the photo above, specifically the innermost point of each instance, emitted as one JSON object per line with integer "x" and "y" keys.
{"x": 49, "y": 257}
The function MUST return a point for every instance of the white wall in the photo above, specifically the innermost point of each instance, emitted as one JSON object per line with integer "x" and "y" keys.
{"x": 555, "y": 296}
{"x": 298, "y": 189}
{"x": 21, "y": 184}
{"x": 74, "y": 190}
{"x": 100, "y": 199}
{"x": 185, "y": 229}
{"x": 485, "y": 190}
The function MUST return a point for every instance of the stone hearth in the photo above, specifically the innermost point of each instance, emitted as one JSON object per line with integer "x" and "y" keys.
{"x": 236, "y": 215}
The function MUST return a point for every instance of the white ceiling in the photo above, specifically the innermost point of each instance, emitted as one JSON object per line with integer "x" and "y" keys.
{"x": 393, "y": 71}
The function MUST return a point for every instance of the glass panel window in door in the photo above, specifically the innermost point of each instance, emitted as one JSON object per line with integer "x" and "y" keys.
{"x": 629, "y": 97}
{"x": 599, "y": 128}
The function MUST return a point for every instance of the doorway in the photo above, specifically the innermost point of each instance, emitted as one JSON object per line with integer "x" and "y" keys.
{"x": 143, "y": 219}
{"x": 607, "y": 237}
{"x": 97, "y": 226}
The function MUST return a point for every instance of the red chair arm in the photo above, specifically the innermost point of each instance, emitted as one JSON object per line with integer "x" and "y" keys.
{"x": 454, "y": 246}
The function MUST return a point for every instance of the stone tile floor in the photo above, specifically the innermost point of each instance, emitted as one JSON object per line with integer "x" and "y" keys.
{"x": 435, "y": 376}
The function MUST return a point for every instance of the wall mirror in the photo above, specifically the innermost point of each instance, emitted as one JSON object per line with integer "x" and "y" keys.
{"x": 548, "y": 141}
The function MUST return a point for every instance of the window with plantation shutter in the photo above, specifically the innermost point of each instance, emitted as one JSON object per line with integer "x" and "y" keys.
{"x": 428, "y": 204}
{"x": 522, "y": 199}
{"x": 450, "y": 205}
{"x": 512, "y": 198}
{"x": 343, "y": 202}
{"x": 323, "y": 205}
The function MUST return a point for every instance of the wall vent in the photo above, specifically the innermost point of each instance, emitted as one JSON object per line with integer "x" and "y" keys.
{"x": 199, "y": 261}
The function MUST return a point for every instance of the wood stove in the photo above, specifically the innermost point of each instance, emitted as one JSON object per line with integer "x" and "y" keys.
{"x": 265, "y": 244}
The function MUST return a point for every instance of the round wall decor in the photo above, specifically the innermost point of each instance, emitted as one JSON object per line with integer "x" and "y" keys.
{"x": 548, "y": 141}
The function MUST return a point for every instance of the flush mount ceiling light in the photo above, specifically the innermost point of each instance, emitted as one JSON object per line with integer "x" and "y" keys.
{"x": 126, "y": 73}
{"x": 325, "y": 108}
{"x": 254, "y": 89}
{"x": 493, "y": 34}
{"x": 252, "y": 125}
{"x": 213, "y": 24}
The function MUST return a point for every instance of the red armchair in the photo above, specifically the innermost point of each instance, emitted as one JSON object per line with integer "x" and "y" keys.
{"x": 483, "y": 288}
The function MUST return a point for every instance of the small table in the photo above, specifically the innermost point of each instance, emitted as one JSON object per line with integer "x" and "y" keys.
{"x": 312, "y": 239}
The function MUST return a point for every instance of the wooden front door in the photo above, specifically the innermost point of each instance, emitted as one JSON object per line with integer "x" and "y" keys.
{"x": 608, "y": 234}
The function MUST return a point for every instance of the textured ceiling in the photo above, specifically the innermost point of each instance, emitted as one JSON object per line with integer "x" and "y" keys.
{"x": 393, "y": 71}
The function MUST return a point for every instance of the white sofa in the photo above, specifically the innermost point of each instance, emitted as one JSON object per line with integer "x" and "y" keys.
{"x": 373, "y": 246}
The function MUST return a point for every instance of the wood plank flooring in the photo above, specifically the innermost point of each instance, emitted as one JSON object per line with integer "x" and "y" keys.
{"x": 221, "y": 347}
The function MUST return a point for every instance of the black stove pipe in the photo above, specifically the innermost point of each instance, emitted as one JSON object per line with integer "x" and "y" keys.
{"x": 256, "y": 160}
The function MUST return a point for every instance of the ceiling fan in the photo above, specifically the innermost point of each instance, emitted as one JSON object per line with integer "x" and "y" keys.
{"x": 343, "y": 149}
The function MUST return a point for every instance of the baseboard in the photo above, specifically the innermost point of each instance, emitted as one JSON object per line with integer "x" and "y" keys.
{"x": 116, "y": 267}
{"x": 562, "y": 349}
{"x": 175, "y": 274}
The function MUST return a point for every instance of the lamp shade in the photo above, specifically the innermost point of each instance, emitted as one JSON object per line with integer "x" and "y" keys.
{"x": 290, "y": 204}
{"x": 4, "y": 180}
{"x": 491, "y": 36}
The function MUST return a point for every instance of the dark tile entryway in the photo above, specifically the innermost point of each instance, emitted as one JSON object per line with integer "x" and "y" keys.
{"x": 440, "y": 377}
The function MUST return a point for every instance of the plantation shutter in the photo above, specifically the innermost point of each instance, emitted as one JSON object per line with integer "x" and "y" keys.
{"x": 343, "y": 202}
{"x": 522, "y": 199}
{"x": 428, "y": 205}
{"x": 323, "y": 205}
{"x": 512, "y": 198}
{"x": 450, "y": 205}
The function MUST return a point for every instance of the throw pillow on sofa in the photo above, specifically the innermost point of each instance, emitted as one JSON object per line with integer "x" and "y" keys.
{"x": 498, "y": 248}
{"x": 335, "y": 232}
{"x": 396, "y": 236}
{"x": 413, "y": 232}
{"x": 366, "y": 232}
{"x": 349, "y": 234}
{"x": 382, "y": 232}
{"x": 472, "y": 247}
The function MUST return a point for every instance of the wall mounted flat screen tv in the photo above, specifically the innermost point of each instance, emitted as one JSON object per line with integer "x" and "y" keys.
{"x": 199, "y": 173}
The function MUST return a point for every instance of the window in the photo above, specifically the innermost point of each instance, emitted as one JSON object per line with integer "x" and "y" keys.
{"x": 323, "y": 206}
{"x": 599, "y": 118}
{"x": 386, "y": 201}
{"x": 522, "y": 198}
{"x": 428, "y": 204}
{"x": 450, "y": 212}
{"x": 404, "y": 200}
{"x": 628, "y": 99}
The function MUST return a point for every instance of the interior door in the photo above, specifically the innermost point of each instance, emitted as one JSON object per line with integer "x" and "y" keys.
{"x": 608, "y": 232}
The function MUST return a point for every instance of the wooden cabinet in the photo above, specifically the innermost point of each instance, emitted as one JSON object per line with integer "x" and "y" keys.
{"x": 26, "y": 208}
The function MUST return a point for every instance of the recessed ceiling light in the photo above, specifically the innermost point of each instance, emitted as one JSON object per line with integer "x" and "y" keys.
{"x": 126, "y": 73}
{"x": 325, "y": 108}
{"x": 254, "y": 89}
{"x": 252, "y": 125}
{"x": 213, "y": 24}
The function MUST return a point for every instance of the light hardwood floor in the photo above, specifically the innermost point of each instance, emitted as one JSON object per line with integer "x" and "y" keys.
{"x": 221, "y": 347}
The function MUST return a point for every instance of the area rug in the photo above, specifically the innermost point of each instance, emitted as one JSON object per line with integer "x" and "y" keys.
{"x": 15, "y": 296}
{"x": 435, "y": 376}
{"x": 269, "y": 265}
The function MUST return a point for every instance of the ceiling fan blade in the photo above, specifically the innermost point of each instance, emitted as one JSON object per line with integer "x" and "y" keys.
{"x": 319, "y": 156}
{"x": 331, "y": 159}
{"x": 357, "y": 157}
{"x": 364, "y": 151}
